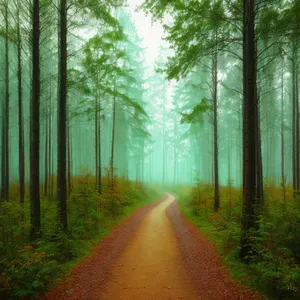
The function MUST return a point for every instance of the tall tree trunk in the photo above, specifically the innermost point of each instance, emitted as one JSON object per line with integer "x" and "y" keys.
{"x": 99, "y": 152}
{"x": 297, "y": 132}
{"x": 20, "y": 115}
{"x": 96, "y": 143}
{"x": 259, "y": 168}
{"x": 35, "y": 126}
{"x": 69, "y": 160}
{"x": 6, "y": 116}
{"x": 46, "y": 156}
{"x": 50, "y": 156}
{"x": 250, "y": 125}
{"x": 3, "y": 169}
{"x": 62, "y": 119}
{"x": 295, "y": 118}
{"x": 175, "y": 151}
{"x": 113, "y": 134}
{"x": 164, "y": 145}
{"x": 215, "y": 123}
{"x": 282, "y": 138}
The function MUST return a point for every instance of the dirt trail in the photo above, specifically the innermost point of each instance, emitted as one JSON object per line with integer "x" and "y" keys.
{"x": 151, "y": 265}
{"x": 156, "y": 253}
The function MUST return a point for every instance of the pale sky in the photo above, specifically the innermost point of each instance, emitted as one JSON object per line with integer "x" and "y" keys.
{"x": 151, "y": 34}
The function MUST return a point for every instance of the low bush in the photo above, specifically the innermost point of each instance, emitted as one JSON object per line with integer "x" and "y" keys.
{"x": 275, "y": 261}
{"x": 26, "y": 268}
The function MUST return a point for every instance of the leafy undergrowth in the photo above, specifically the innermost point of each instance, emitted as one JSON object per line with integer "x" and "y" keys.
{"x": 275, "y": 262}
{"x": 27, "y": 269}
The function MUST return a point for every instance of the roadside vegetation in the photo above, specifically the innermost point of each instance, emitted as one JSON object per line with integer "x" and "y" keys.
{"x": 274, "y": 262}
{"x": 47, "y": 259}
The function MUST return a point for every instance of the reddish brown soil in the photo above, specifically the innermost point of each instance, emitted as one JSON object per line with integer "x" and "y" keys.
{"x": 86, "y": 280}
{"x": 201, "y": 258}
{"x": 154, "y": 254}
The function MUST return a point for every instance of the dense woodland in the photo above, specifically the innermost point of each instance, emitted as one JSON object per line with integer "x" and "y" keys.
{"x": 87, "y": 124}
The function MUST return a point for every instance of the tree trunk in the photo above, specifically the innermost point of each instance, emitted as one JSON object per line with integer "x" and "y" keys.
{"x": 69, "y": 160}
{"x": 175, "y": 151}
{"x": 294, "y": 117}
{"x": 20, "y": 115}
{"x": 99, "y": 152}
{"x": 297, "y": 139}
{"x": 215, "y": 123}
{"x": 250, "y": 119}
{"x": 50, "y": 157}
{"x": 259, "y": 168}
{"x": 96, "y": 143}
{"x": 5, "y": 179}
{"x": 113, "y": 134}
{"x": 46, "y": 157}
{"x": 35, "y": 126}
{"x": 62, "y": 119}
{"x": 282, "y": 139}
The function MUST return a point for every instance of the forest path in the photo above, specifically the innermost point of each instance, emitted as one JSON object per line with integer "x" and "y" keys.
{"x": 156, "y": 253}
{"x": 151, "y": 266}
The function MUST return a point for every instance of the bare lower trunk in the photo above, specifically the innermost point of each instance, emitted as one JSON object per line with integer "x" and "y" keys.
{"x": 99, "y": 153}
{"x": 35, "y": 127}
{"x": 215, "y": 123}
{"x": 282, "y": 140}
{"x": 62, "y": 119}
{"x": 113, "y": 134}
{"x": 46, "y": 158}
{"x": 20, "y": 115}
{"x": 250, "y": 120}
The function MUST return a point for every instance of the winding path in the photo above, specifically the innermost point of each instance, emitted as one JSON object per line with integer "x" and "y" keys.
{"x": 151, "y": 266}
{"x": 154, "y": 254}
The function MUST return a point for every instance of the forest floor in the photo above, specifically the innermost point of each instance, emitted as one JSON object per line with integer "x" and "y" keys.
{"x": 154, "y": 254}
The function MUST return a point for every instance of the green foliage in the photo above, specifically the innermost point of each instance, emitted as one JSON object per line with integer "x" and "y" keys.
{"x": 91, "y": 216}
{"x": 196, "y": 116}
{"x": 275, "y": 260}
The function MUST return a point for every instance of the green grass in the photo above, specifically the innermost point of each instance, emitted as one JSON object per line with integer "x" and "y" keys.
{"x": 274, "y": 267}
{"x": 91, "y": 217}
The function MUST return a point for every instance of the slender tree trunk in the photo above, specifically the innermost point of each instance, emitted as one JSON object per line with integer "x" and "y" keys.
{"x": 69, "y": 160}
{"x": 297, "y": 132}
{"x": 259, "y": 168}
{"x": 164, "y": 145}
{"x": 62, "y": 119}
{"x": 3, "y": 167}
{"x": 99, "y": 152}
{"x": 113, "y": 134}
{"x": 35, "y": 126}
{"x": 96, "y": 143}
{"x": 7, "y": 109}
{"x": 175, "y": 151}
{"x": 282, "y": 139}
{"x": 50, "y": 157}
{"x": 20, "y": 115}
{"x": 46, "y": 157}
{"x": 216, "y": 148}
{"x": 295, "y": 118}
{"x": 250, "y": 125}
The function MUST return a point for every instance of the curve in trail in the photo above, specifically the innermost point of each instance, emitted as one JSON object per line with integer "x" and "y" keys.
{"x": 154, "y": 254}
{"x": 151, "y": 266}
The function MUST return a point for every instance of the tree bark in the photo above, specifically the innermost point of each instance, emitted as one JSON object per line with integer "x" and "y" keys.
{"x": 20, "y": 115}
{"x": 215, "y": 124}
{"x": 99, "y": 152}
{"x": 6, "y": 110}
{"x": 250, "y": 119}
{"x": 35, "y": 126}
{"x": 46, "y": 157}
{"x": 113, "y": 134}
{"x": 282, "y": 139}
{"x": 62, "y": 119}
